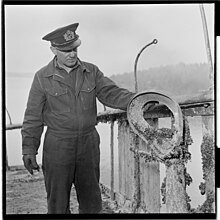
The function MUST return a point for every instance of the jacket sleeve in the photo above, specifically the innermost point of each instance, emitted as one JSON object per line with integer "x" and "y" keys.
{"x": 33, "y": 119}
{"x": 109, "y": 94}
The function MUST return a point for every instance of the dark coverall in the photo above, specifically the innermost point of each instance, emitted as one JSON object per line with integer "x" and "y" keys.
{"x": 66, "y": 104}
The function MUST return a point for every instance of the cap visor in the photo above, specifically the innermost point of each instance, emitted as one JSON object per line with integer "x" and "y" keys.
{"x": 70, "y": 46}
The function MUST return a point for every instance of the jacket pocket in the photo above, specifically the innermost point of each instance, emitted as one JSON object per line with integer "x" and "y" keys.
{"x": 87, "y": 96}
{"x": 59, "y": 100}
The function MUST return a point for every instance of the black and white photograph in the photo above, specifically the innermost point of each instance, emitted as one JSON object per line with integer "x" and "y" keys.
{"x": 109, "y": 110}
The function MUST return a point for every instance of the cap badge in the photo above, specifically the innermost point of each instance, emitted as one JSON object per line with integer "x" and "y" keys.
{"x": 69, "y": 35}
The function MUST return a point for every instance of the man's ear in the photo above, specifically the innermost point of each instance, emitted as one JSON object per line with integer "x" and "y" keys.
{"x": 54, "y": 50}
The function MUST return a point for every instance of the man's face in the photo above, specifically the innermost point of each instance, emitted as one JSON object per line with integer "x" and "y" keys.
{"x": 66, "y": 58}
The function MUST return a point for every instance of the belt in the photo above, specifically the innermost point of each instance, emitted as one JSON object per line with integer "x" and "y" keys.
{"x": 70, "y": 133}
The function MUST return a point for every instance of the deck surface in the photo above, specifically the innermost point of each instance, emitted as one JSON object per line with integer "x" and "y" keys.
{"x": 25, "y": 194}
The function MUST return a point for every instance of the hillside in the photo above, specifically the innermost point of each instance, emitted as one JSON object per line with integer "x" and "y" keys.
{"x": 180, "y": 79}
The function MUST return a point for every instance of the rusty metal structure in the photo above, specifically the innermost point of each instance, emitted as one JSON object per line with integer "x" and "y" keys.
{"x": 143, "y": 196}
{"x": 167, "y": 146}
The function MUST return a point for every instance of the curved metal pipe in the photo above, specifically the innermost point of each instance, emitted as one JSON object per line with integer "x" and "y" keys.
{"x": 136, "y": 60}
{"x": 206, "y": 36}
{"x": 10, "y": 121}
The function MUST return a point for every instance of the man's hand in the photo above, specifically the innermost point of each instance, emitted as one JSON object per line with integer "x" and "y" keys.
{"x": 30, "y": 163}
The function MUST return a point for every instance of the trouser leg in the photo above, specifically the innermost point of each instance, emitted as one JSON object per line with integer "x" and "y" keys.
{"x": 58, "y": 169}
{"x": 58, "y": 186}
{"x": 88, "y": 173}
{"x": 67, "y": 161}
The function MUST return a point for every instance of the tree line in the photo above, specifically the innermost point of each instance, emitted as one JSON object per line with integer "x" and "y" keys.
{"x": 179, "y": 79}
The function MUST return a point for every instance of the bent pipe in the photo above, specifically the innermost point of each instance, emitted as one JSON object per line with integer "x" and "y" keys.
{"x": 161, "y": 145}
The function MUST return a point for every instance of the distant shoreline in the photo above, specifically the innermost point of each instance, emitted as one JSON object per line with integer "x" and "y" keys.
{"x": 18, "y": 75}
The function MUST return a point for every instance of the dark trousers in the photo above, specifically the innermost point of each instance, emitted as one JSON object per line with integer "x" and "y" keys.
{"x": 72, "y": 160}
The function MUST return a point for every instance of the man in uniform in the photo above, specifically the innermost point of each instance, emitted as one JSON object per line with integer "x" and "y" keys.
{"x": 63, "y": 97}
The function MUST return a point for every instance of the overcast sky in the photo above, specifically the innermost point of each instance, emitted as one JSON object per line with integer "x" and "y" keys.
{"x": 111, "y": 35}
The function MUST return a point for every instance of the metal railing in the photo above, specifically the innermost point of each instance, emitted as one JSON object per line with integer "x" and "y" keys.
{"x": 201, "y": 105}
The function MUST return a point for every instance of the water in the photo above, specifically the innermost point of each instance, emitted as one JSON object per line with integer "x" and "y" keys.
{"x": 17, "y": 89}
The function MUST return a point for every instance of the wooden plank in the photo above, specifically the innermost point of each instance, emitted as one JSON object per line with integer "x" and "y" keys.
{"x": 126, "y": 161}
{"x": 121, "y": 158}
{"x": 112, "y": 159}
{"x": 208, "y": 162}
{"x": 176, "y": 200}
{"x": 149, "y": 179}
{"x": 175, "y": 187}
{"x": 150, "y": 186}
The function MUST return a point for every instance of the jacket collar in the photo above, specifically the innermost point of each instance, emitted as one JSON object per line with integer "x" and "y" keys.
{"x": 52, "y": 68}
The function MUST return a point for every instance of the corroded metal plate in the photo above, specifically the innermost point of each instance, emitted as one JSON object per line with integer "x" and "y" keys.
{"x": 161, "y": 141}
